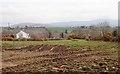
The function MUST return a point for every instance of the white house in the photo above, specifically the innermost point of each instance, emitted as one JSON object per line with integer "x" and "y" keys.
{"x": 22, "y": 34}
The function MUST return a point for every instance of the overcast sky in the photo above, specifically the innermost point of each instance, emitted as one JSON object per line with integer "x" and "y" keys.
{"x": 48, "y": 11}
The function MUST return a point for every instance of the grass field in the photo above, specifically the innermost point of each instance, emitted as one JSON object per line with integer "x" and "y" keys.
{"x": 60, "y": 55}
{"x": 73, "y": 43}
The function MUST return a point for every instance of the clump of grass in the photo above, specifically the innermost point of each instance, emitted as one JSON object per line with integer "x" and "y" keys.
{"x": 95, "y": 66}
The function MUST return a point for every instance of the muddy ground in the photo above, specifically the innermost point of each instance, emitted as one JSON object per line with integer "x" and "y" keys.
{"x": 45, "y": 58}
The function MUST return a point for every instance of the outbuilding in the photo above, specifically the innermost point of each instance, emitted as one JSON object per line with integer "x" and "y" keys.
{"x": 22, "y": 34}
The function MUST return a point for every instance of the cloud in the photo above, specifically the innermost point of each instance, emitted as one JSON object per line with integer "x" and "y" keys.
{"x": 47, "y": 11}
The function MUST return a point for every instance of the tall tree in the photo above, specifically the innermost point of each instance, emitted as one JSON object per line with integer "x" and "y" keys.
{"x": 61, "y": 35}
{"x": 114, "y": 33}
{"x": 49, "y": 35}
{"x": 66, "y": 31}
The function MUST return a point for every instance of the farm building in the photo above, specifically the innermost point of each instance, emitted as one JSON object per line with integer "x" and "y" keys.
{"x": 33, "y": 32}
{"x": 22, "y": 34}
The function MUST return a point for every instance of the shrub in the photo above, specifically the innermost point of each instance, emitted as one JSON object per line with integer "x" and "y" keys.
{"x": 76, "y": 36}
{"x": 107, "y": 37}
{"x": 7, "y": 38}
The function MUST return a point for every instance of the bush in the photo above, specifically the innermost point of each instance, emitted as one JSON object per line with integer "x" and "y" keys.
{"x": 107, "y": 37}
{"x": 7, "y": 38}
{"x": 55, "y": 39}
{"x": 76, "y": 36}
{"x": 118, "y": 39}
{"x": 40, "y": 39}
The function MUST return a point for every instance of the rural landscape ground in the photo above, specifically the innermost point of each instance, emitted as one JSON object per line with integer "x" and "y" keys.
{"x": 60, "y": 36}
{"x": 59, "y": 55}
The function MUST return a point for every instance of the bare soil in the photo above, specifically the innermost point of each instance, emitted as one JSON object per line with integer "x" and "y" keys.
{"x": 44, "y": 58}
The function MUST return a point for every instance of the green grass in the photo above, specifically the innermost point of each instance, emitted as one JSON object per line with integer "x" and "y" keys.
{"x": 72, "y": 43}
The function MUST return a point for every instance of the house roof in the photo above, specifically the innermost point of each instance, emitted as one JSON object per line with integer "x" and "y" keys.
{"x": 22, "y": 32}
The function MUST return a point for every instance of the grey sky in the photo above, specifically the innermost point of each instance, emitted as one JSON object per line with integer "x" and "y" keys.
{"x": 47, "y": 11}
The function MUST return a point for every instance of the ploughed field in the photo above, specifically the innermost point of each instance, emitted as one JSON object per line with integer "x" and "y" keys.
{"x": 56, "y": 56}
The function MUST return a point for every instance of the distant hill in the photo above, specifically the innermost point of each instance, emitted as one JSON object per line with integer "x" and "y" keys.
{"x": 29, "y": 25}
{"x": 69, "y": 24}
{"x": 85, "y": 23}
